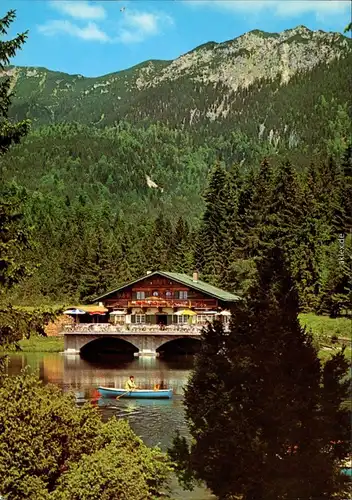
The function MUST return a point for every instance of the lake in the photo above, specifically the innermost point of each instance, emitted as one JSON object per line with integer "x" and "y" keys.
{"x": 154, "y": 421}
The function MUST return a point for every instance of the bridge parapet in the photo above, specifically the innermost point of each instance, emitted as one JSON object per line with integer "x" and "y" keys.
{"x": 108, "y": 328}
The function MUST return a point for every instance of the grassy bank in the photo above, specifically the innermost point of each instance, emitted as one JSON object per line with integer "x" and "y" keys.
{"x": 42, "y": 344}
{"x": 323, "y": 327}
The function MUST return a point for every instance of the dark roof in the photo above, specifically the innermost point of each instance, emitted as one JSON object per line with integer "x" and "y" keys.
{"x": 185, "y": 280}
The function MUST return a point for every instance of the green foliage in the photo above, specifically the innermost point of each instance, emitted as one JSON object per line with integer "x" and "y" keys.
{"x": 323, "y": 327}
{"x": 18, "y": 323}
{"x": 10, "y": 133}
{"x": 50, "y": 449}
{"x": 265, "y": 416}
{"x": 38, "y": 343}
{"x": 14, "y": 240}
{"x": 95, "y": 221}
{"x": 336, "y": 291}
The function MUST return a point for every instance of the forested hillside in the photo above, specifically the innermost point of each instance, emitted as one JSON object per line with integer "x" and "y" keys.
{"x": 113, "y": 174}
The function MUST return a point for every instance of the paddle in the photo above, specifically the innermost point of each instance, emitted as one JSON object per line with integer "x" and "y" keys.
{"x": 124, "y": 394}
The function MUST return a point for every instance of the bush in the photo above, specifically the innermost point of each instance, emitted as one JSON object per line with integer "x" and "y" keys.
{"x": 50, "y": 449}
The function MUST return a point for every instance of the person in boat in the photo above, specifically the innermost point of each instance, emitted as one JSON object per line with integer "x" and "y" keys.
{"x": 158, "y": 387}
{"x": 130, "y": 385}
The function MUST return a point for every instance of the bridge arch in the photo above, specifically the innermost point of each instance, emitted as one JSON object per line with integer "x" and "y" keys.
{"x": 178, "y": 346}
{"x": 107, "y": 346}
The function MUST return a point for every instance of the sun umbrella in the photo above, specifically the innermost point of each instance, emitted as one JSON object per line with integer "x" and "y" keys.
{"x": 225, "y": 313}
{"x": 74, "y": 311}
{"x": 186, "y": 312}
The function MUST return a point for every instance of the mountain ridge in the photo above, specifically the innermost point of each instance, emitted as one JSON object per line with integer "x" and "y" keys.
{"x": 301, "y": 29}
{"x": 261, "y": 86}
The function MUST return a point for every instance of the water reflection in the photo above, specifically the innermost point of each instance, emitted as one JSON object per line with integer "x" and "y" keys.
{"x": 155, "y": 421}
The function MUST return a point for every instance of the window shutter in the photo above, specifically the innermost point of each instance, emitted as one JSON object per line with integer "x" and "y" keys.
{"x": 134, "y": 295}
{"x": 133, "y": 318}
{"x": 177, "y": 294}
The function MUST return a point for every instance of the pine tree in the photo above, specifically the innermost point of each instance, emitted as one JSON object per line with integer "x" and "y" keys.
{"x": 10, "y": 133}
{"x": 232, "y": 234}
{"x": 13, "y": 238}
{"x": 346, "y": 190}
{"x": 209, "y": 253}
{"x": 181, "y": 255}
{"x": 336, "y": 290}
{"x": 255, "y": 219}
{"x": 159, "y": 243}
{"x": 265, "y": 415}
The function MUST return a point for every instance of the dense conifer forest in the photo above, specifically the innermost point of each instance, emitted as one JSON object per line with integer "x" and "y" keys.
{"x": 103, "y": 201}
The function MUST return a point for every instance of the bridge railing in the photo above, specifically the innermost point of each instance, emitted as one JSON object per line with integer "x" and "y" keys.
{"x": 126, "y": 329}
{"x": 133, "y": 328}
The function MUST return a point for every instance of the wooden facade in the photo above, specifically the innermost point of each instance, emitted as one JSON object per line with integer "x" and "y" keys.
{"x": 158, "y": 297}
{"x": 159, "y": 292}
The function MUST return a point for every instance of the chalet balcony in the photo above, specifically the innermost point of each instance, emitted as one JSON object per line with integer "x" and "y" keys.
{"x": 163, "y": 300}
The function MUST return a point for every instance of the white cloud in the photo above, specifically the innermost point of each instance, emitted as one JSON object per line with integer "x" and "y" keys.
{"x": 89, "y": 32}
{"x": 322, "y": 9}
{"x": 137, "y": 26}
{"x": 132, "y": 26}
{"x": 79, "y": 9}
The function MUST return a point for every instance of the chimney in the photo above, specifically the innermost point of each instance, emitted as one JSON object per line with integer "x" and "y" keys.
{"x": 195, "y": 276}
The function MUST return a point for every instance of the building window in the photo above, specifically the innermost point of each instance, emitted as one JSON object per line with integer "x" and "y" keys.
{"x": 119, "y": 320}
{"x": 168, "y": 294}
{"x": 182, "y": 319}
{"x": 182, "y": 294}
{"x": 140, "y": 295}
{"x": 140, "y": 318}
{"x": 203, "y": 318}
{"x": 155, "y": 293}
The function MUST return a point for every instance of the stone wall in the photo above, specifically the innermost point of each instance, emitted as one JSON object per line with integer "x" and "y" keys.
{"x": 54, "y": 328}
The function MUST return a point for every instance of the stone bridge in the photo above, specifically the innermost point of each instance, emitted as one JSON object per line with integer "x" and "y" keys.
{"x": 143, "y": 343}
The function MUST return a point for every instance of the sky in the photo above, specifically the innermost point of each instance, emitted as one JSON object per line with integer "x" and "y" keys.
{"x": 94, "y": 38}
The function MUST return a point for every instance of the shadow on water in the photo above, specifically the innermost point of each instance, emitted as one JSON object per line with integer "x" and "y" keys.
{"x": 179, "y": 347}
{"x": 155, "y": 421}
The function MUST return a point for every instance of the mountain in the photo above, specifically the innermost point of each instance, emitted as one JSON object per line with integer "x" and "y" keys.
{"x": 213, "y": 83}
{"x": 116, "y": 166}
{"x": 262, "y": 94}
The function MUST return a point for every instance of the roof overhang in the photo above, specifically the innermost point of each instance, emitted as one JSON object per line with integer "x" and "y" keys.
{"x": 194, "y": 285}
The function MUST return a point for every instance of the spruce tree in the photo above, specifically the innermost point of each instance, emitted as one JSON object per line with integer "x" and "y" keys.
{"x": 346, "y": 190}
{"x": 159, "y": 243}
{"x": 231, "y": 236}
{"x": 336, "y": 287}
{"x": 209, "y": 254}
{"x": 264, "y": 414}
{"x": 256, "y": 238}
{"x": 13, "y": 238}
{"x": 181, "y": 255}
{"x": 10, "y": 133}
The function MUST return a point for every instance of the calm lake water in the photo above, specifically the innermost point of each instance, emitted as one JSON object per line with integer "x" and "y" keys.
{"x": 154, "y": 421}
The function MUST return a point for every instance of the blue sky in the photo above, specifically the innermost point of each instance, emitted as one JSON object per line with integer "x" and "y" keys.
{"x": 94, "y": 38}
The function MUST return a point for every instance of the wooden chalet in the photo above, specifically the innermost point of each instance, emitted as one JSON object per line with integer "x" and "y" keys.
{"x": 164, "y": 298}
